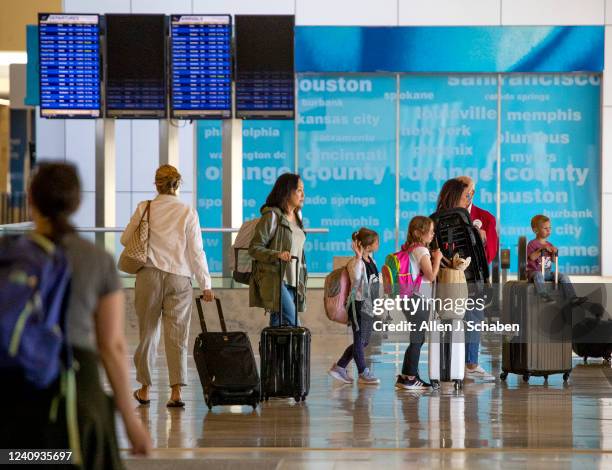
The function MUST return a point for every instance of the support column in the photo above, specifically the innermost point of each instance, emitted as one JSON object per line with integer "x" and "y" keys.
{"x": 105, "y": 180}
{"x": 168, "y": 143}
{"x": 232, "y": 185}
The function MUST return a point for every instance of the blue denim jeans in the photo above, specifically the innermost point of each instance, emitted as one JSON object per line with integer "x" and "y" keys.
{"x": 566, "y": 285}
{"x": 472, "y": 338}
{"x": 288, "y": 307}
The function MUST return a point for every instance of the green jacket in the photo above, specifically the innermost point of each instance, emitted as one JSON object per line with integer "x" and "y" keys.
{"x": 272, "y": 236}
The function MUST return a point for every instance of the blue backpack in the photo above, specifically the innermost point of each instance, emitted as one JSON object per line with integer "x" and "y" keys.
{"x": 34, "y": 288}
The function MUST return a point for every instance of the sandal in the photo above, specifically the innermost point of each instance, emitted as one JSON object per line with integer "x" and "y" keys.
{"x": 175, "y": 404}
{"x": 140, "y": 400}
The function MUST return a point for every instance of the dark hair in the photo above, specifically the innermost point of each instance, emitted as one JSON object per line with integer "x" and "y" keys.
{"x": 450, "y": 194}
{"x": 55, "y": 192}
{"x": 281, "y": 192}
{"x": 365, "y": 236}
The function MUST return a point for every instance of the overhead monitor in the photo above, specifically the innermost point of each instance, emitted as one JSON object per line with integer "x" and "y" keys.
{"x": 264, "y": 66}
{"x": 69, "y": 51}
{"x": 136, "y": 66}
{"x": 201, "y": 72}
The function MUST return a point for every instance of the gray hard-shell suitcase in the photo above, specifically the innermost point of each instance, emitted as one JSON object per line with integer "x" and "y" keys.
{"x": 543, "y": 345}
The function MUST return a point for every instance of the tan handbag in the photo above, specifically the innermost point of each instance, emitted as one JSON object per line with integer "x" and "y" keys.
{"x": 134, "y": 255}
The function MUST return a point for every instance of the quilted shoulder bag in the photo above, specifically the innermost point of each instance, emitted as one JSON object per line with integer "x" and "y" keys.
{"x": 134, "y": 255}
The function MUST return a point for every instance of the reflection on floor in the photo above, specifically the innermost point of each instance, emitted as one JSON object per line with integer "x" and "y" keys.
{"x": 339, "y": 426}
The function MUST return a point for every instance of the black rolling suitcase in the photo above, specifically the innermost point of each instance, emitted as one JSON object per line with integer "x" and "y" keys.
{"x": 456, "y": 234}
{"x": 226, "y": 365}
{"x": 285, "y": 358}
{"x": 591, "y": 333}
{"x": 544, "y": 344}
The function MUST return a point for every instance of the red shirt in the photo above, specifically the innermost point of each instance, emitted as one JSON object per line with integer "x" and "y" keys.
{"x": 489, "y": 226}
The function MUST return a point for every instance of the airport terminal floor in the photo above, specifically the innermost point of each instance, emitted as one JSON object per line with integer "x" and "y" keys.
{"x": 506, "y": 424}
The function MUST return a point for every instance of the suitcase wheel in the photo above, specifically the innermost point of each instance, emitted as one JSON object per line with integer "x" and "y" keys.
{"x": 297, "y": 398}
{"x": 526, "y": 378}
{"x": 566, "y": 376}
{"x": 503, "y": 375}
{"x": 545, "y": 377}
{"x": 303, "y": 397}
{"x": 435, "y": 384}
{"x": 458, "y": 384}
{"x": 586, "y": 359}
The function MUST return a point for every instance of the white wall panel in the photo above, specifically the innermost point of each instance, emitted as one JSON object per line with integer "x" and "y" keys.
{"x": 260, "y": 7}
{"x": 449, "y": 12}
{"x": 607, "y": 76}
{"x": 346, "y": 12}
{"x": 123, "y": 208}
{"x": 186, "y": 141}
{"x": 50, "y": 138}
{"x": 81, "y": 150}
{"x": 97, "y": 6}
{"x": 85, "y": 215}
{"x": 123, "y": 154}
{"x": 608, "y": 6}
{"x": 553, "y": 12}
{"x": 145, "y": 154}
{"x": 161, "y": 6}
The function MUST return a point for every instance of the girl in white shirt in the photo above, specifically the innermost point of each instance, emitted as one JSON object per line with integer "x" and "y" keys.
{"x": 420, "y": 235}
{"x": 163, "y": 286}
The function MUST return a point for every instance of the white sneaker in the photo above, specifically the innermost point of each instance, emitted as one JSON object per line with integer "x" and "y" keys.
{"x": 479, "y": 374}
{"x": 340, "y": 373}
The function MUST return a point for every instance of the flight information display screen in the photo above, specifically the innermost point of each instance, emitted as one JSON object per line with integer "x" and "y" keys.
{"x": 201, "y": 83}
{"x": 69, "y": 51}
{"x": 264, "y": 66}
{"x": 136, "y": 66}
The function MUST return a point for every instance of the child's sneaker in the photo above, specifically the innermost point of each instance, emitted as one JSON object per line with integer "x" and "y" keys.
{"x": 340, "y": 373}
{"x": 366, "y": 378}
{"x": 415, "y": 384}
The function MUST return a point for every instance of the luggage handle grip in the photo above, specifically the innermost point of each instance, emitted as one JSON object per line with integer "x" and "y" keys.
{"x": 280, "y": 289}
{"x": 201, "y": 314}
{"x": 554, "y": 259}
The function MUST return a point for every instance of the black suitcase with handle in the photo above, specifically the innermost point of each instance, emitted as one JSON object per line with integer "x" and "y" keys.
{"x": 226, "y": 365}
{"x": 285, "y": 357}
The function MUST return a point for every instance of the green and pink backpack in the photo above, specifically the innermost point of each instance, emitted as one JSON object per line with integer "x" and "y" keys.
{"x": 397, "y": 275}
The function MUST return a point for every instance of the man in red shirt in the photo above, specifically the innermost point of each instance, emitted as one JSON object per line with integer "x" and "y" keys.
{"x": 483, "y": 220}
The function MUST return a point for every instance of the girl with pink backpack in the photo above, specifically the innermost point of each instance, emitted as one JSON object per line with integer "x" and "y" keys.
{"x": 423, "y": 267}
{"x": 365, "y": 286}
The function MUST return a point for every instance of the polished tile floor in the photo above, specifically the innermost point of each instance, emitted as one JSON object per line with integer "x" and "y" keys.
{"x": 507, "y": 424}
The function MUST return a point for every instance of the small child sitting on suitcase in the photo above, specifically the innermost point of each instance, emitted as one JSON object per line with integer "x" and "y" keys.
{"x": 541, "y": 252}
{"x": 365, "y": 288}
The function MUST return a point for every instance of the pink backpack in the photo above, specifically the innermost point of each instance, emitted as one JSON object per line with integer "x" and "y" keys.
{"x": 335, "y": 294}
{"x": 397, "y": 276}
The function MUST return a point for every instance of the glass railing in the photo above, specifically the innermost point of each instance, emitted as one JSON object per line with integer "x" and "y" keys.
{"x": 109, "y": 239}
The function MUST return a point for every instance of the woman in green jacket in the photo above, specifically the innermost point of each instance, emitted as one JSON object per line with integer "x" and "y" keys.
{"x": 279, "y": 235}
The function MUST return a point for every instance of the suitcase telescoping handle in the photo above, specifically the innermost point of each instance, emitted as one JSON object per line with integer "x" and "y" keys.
{"x": 280, "y": 289}
{"x": 554, "y": 259}
{"x": 201, "y": 314}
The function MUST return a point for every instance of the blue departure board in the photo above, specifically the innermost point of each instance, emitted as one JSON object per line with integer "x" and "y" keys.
{"x": 201, "y": 84}
{"x": 69, "y": 49}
